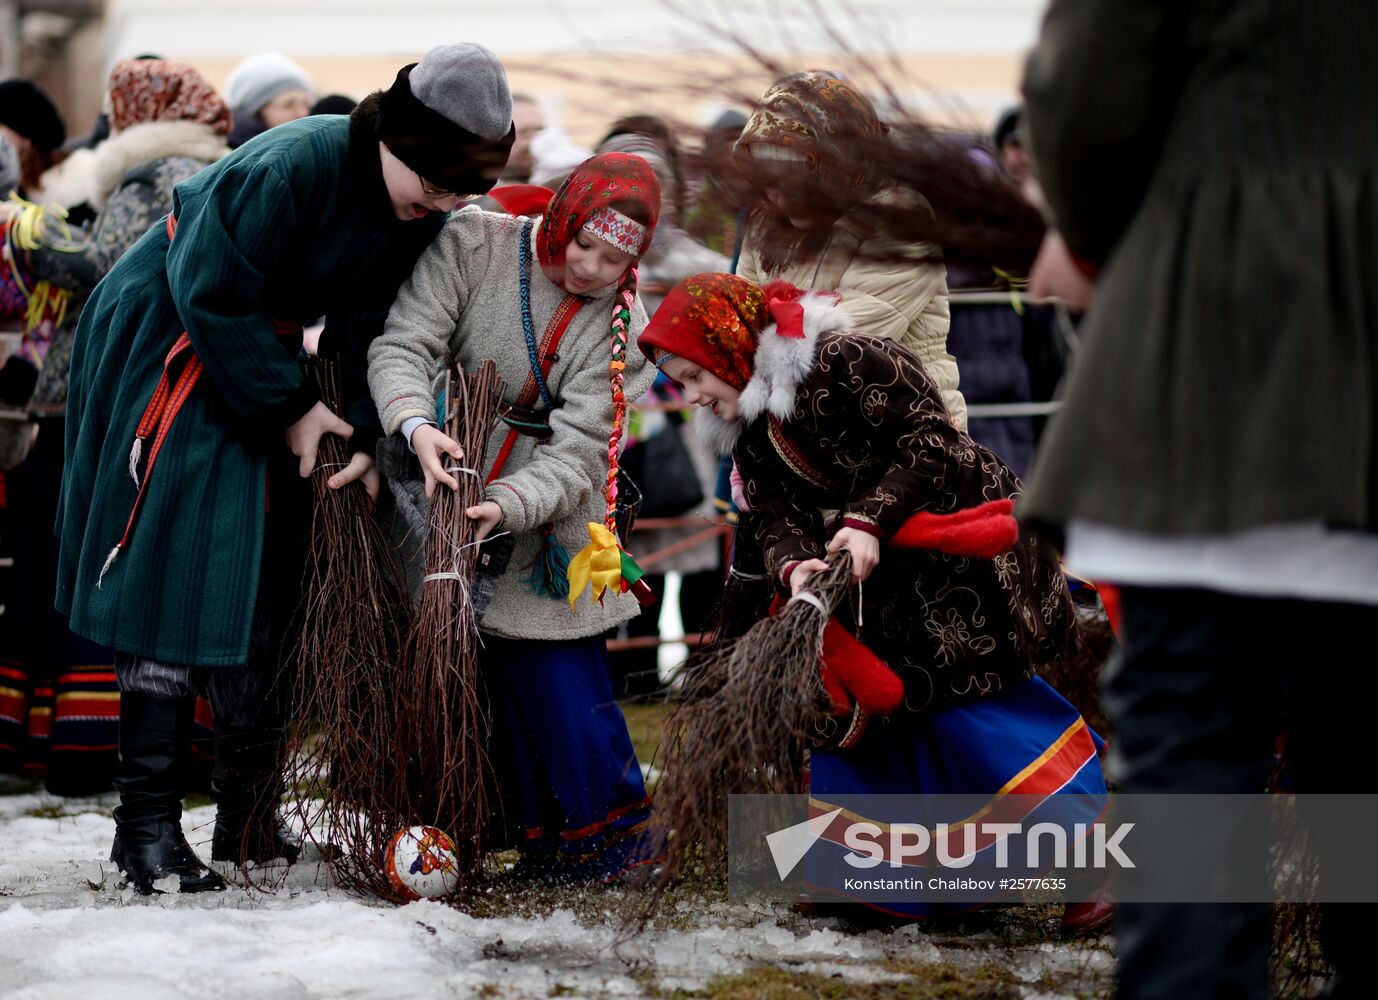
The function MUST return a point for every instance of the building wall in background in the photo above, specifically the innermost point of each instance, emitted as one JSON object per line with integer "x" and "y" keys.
{"x": 957, "y": 61}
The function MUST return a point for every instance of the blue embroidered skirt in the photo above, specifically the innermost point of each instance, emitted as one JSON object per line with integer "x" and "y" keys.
{"x": 1025, "y": 741}
{"x": 571, "y": 789}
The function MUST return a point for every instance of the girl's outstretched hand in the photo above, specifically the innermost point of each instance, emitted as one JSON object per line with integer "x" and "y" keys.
{"x": 360, "y": 467}
{"x": 304, "y": 437}
{"x": 433, "y": 447}
{"x": 487, "y": 514}
{"x": 864, "y": 547}
{"x": 802, "y": 571}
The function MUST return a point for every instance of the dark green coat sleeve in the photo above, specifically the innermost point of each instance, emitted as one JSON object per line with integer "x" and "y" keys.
{"x": 228, "y": 246}
{"x": 347, "y": 334}
{"x": 1099, "y": 87}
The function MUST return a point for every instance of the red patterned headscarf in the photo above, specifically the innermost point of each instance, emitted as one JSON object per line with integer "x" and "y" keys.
{"x": 617, "y": 181}
{"x": 713, "y": 320}
{"x": 159, "y": 90}
{"x": 603, "y": 181}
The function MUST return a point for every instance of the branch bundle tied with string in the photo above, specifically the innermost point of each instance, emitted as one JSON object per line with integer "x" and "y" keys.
{"x": 444, "y": 729}
{"x": 751, "y": 707}
{"x": 352, "y": 620}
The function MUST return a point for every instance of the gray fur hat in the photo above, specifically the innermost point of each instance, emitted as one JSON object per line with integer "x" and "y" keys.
{"x": 449, "y": 118}
{"x": 468, "y": 85}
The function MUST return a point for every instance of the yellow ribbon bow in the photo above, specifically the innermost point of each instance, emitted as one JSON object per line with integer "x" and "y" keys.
{"x": 599, "y": 563}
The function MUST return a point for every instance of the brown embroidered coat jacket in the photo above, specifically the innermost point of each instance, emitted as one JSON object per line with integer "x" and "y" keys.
{"x": 864, "y": 433}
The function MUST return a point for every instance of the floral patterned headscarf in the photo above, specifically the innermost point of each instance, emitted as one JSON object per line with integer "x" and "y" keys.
{"x": 715, "y": 321}
{"x": 816, "y": 122}
{"x": 159, "y": 90}
{"x": 600, "y": 182}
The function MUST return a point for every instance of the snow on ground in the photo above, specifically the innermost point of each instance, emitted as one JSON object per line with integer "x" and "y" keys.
{"x": 68, "y": 931}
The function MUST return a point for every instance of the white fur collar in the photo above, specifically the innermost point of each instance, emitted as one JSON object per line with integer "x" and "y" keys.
{"x": 69, "y": 183}
{"x": 779, "y": 366}
{"x": 139, "y": 144}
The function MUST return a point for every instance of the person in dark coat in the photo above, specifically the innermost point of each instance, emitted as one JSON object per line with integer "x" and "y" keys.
{"x": 1008, "y": 140}
{"x": 1215, "y": 453}
{"x": 30, "y": 121}
{"x": 185, "y": 389}
{"x": 169, "y": 123}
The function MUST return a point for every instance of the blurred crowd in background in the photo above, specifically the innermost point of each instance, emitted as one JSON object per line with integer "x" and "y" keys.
{"x": 162, "y": 120}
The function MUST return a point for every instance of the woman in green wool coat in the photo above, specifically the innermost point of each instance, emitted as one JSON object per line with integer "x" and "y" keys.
{"x": 185, "y": 389}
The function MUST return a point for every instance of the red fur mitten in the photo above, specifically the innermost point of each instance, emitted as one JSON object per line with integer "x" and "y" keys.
{"x": 852, "y": 672}
{"x": 984, "y": 531}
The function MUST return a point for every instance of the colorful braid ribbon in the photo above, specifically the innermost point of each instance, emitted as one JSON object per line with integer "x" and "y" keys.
{"x": 604, "y": 562}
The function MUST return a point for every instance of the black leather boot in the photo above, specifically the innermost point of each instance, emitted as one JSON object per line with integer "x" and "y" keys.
{"x": 154, "y": 740}
{"x": 246, "y": 785}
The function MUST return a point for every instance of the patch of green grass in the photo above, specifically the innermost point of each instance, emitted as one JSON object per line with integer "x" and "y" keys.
{"x": 645, "y": 721}
{"x": 195, "y": 799}
{"x": 939, "y": 981}
{"x": 55, "y": 810}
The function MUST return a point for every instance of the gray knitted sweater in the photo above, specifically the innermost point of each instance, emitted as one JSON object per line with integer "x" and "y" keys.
{"x": 463, "y": 300}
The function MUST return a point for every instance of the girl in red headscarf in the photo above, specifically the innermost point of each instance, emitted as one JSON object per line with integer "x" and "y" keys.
{"x": 554, "y": 303}
{"x": 843, "y": 441}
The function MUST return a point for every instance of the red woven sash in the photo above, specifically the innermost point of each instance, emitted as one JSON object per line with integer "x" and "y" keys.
{"x": 550, "y": 343}
{"x": 156, "y": 422}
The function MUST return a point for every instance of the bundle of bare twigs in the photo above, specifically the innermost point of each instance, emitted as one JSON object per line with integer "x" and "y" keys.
{"x": 353, "y": 617}
{"x": 443, "y": 732}
{"x": 1076, "y": 675}
{"x": 752, "y": 706}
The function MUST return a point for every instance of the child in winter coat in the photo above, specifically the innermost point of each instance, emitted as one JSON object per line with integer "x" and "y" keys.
{"x": 819, "y": 418}
{"x": 545, "y": 300}
{"x": 809, "y": 152}
{"x": 185, "y": 388}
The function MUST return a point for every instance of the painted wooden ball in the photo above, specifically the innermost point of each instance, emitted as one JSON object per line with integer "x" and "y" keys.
{"x": 421, "y": 863}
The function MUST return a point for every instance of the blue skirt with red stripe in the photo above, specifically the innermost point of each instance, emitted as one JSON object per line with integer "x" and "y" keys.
{"x": 571, "y": 792}
{"x": 1025, "y": 753}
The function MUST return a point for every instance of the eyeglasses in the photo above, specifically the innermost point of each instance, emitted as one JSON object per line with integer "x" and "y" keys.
{"x": 434, "y": 192}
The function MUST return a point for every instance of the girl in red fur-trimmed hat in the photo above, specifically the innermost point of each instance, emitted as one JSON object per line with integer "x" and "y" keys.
{"x": 956, "y": 604}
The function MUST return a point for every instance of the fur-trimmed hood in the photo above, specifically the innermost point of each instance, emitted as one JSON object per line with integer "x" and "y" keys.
{"x": 141, "y": 144}
{"x": 90, "y": 176}
{"x": 779, "y": 366}
{"x": 68, "y": 184}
